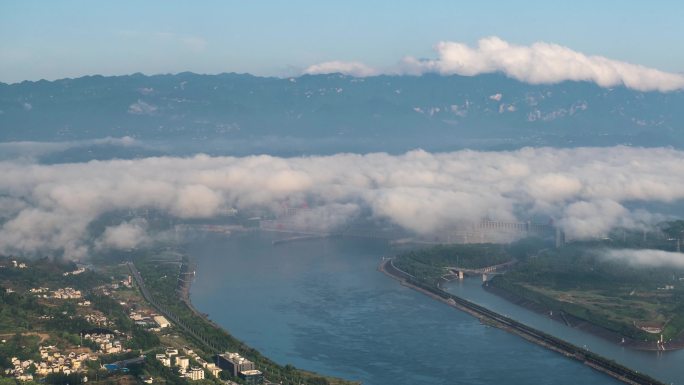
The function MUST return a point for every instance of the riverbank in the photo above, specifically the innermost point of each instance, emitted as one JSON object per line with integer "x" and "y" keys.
{"x": 585, "y": 326}
{"x": 593, "y": 360}
{"x": 164, "y": 295}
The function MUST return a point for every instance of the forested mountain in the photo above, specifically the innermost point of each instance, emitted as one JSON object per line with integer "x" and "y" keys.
{"x": 485, "y": 111}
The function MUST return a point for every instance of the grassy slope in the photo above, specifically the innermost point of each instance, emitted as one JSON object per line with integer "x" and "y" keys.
{"x": 610, "y": 294}
{"x": 574, "y": 279}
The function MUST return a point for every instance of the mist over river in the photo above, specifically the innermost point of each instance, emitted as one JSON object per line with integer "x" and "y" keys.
{"x": 322, "y": 305}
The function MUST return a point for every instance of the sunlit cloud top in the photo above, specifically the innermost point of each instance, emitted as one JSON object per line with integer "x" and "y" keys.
{"x": 539, "y": 63}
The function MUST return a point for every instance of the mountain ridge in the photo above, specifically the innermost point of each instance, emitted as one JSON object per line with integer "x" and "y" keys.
{"x": 424, "y": 109}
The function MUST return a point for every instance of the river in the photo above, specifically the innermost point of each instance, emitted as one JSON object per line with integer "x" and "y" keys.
{"x": 666, "y": 366}
{"x": 322, "y": 305}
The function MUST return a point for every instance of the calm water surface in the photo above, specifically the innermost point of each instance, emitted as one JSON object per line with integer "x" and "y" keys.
{"x": 322, "y": 306}
{"x": 666, "y": 366}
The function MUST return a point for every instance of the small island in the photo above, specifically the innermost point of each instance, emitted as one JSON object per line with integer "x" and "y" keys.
{"x": 626, "y": 287}
{"x": 584, "y": 284}
{"x": 640, "y": 307}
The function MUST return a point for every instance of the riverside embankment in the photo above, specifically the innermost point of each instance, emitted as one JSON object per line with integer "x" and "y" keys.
{"x": 593, "y": 360}
{"x": 322, "y": 305}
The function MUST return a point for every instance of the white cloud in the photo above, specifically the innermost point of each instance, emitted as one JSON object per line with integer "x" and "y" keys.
{"x": 48, "y": 208}
{"x": 126, "y": 235}
{"x": 352, "y": 68}
{"x": 543, "y": 63}
{"x": 146, "y": 90}
{"x": 142, "y": 108}
{"x": 29, "y": 150}
{"x": 196, "y": 201}
{"x": 538, "y": 63}
{"x": 653, "y": 258}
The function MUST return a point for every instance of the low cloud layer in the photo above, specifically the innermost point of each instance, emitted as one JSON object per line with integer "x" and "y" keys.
{"x": 357, "y": 69}
{"x": 49, "y": 208}
{"x": 32, "y": 150}
{"x": 539, "y": 63}
{"x": 127, "y": 235}
{"x": 650, "y": 258}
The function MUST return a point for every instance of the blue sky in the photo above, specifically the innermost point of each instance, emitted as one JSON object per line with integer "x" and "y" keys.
{"x": 55, "y": 39}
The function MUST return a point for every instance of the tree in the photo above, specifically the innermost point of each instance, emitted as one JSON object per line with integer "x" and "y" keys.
{"x": 7, "y": 381}
{"x": 318, "y": 381}
{"x": 63, "y": 379}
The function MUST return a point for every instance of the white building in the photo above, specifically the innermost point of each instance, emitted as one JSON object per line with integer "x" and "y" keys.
{"x": 162, "y": 321}
{"x": 182, "y": 362}
{"x": 171, "y": 352}
{"x": 166, "y": 361}
{"x": 214, "y": 370}
{"x": 196, "y": 373}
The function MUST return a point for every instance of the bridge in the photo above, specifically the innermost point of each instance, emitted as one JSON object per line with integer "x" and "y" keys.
{"x": 484, "y": 270}
{"x": 487, "y": 271}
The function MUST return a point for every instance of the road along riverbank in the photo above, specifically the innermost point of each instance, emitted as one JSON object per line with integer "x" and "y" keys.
{"x": 209, "y": 336}
{"x": 487, "y": 316}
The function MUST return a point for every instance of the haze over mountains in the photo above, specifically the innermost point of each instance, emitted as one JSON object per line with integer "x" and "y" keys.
{"x": 333, "y": 112}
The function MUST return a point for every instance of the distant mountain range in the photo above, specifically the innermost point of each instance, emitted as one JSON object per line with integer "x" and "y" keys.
{"x": 429, "y": 111}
